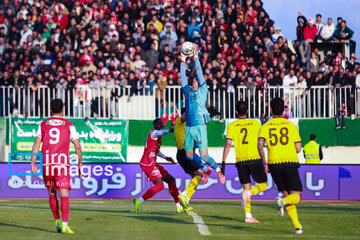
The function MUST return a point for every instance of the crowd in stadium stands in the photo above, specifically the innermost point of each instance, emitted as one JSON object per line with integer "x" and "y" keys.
{"x": 69, "y": 43}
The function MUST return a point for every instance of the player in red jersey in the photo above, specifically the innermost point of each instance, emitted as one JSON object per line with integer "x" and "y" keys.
{"x": 55, "y": 133}
{"x": 156, "y": 173}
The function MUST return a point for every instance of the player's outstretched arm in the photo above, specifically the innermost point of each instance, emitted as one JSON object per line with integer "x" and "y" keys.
{"x": 35, "y": 149}
{"x": 169, "y": 159}
{"x": 261, "y": 143}
{"x": 159, "y": 133}
{"x": 78, "y": 154}
{"x": 184, "y": 80}
{"x": 225, "y": 154}
{"x": 199, "y": 71}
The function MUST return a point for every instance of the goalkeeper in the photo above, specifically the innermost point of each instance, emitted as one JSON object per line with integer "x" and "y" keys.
{"x": 197, "y": 116}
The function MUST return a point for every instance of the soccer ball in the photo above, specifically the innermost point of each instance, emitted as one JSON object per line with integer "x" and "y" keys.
{"x": 187, "y": 48}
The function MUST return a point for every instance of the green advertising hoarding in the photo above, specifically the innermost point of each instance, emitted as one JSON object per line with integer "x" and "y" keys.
{"x": 102, "y": 140}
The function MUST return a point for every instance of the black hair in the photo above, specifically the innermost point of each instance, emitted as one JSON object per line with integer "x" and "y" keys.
{"x": 318, "y": 15}
{"x": 56, "y": 106}
{"x": 156, "y": 123}
{"x": 312, "y": 137}
{"x": 241, "y": 108}
{"x": 277, "y": 106}
{"x": 182, "y": 110}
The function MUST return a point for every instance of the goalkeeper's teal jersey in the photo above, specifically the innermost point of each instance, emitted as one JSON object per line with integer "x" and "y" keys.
{"x": 195, "y": 99}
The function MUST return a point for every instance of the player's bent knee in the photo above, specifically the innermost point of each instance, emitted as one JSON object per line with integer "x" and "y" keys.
{"x": 169, "y": 179}
{"x": 160, "y": 186}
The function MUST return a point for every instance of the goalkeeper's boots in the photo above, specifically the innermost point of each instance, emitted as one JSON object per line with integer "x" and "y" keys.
{"x": 280, "y": 206}
{"x": 58, "y": 224}
{"x": 137, "y": 205}
{"x": 299, "y": 230}
{"x": 221, "y": 177}
{"x": 251, "y": 220}
{"x": 245, "y": 198}
{"x": 207, "y": 175}
{"x": 65, "y": 229}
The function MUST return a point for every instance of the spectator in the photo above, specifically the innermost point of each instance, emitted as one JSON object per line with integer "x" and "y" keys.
{"x": 309, "y": 37}
{"x": 287, "y": 112}
{"x": 269, "y": 45}
{"x": 327, "y": 31}
{"x": 277, "y": 34}
{"x": 152, "y": 57}
{"x": 193, "y": 26}
{"x": 168, "y": 29}
{"x": 343, "y": 33}
{"x": 169, "y": 42}
{"x": 341, "y": 113}
{"x": 319, "y": 25}
{"x": 313, "y": 65}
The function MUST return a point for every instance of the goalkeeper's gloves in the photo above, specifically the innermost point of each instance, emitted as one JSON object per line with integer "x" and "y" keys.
{"x": 213, "y": 111}
{"x": 196, "y": 56}
{"x": 183, "y": 57}
{"x": 223, "y": 168}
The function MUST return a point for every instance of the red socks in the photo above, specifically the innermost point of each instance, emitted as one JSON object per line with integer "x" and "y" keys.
{"x": 153, "y": 190}
{"x": 65, "y": 208}
{"x": 174, "y": 191}
{"x": 54, "y": 205}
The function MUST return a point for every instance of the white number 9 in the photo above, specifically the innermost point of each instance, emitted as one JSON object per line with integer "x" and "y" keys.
{"x": 54, "y": 133}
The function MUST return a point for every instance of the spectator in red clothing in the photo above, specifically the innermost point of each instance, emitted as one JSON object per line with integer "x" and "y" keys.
{"x": 309, "y": 36}
{"x": 86, "y": 57}
{"x": 61, "y": 19}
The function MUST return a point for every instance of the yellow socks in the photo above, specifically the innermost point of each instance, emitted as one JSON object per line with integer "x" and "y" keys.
{"x": 191, "y": 188}
{"x": 258, "y": 188}
{"x": 291, "y": 209}
{"x": 292, "y": 199}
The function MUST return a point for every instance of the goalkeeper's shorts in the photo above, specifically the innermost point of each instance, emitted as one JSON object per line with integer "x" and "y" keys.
{"x": 196, "y": 137}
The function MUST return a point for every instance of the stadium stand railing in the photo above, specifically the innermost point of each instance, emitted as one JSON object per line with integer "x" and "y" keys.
{"x": 117, "y": 102}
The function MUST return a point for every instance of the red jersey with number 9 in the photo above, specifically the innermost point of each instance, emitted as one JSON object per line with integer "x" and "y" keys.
{"x": 56, "y": 134}
{"x": 151, "y": 149}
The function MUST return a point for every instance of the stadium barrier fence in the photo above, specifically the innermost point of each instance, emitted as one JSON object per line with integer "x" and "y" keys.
{"x": 124, "y": 103}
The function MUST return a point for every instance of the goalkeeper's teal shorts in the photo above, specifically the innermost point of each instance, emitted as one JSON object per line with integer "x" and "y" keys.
{"x": 196, "y": 137}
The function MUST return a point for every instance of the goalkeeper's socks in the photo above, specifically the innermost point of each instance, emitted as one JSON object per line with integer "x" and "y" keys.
{"x": 141, "y": 200}
{"x": 258, "y": 188}
{"x": 211, "y": 162}
{"x": 54, "y": 206}
{"x": 191, "y": 188}
{"x": 199, "y": 163}
{"x": 196, "y": 160}
{"x": 291, "y": 209}
{"x": 153, "y": 190}
{"x": 292, "y": 199}
{"x": 65, "y": 209}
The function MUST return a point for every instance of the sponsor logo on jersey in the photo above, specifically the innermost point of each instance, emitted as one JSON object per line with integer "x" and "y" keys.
{"x": 55, "y": 122}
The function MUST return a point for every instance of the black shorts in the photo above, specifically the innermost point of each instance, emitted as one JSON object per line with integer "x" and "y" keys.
{"x": 184, "y": 162}
{"x": 255, "y": 168}
{"x": 286, "y": 178}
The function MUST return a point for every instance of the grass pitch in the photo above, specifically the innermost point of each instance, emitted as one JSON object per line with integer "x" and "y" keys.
{"x": 115, "y": 219}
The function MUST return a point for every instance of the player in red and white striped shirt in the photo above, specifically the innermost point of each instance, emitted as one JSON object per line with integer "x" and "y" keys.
{"x": 55, "y": 133}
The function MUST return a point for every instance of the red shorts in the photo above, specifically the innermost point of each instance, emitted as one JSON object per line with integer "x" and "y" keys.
{"x": 56, "y": 178}
{"x": 154, "y": 171}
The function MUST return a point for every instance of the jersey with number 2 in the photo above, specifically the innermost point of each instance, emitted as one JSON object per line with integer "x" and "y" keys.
{"x": 56, "y": 134}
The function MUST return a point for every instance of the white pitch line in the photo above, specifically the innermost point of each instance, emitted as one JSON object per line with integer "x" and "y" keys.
{"x": 287, "y": 236}
{"x": 203, "y": 229}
